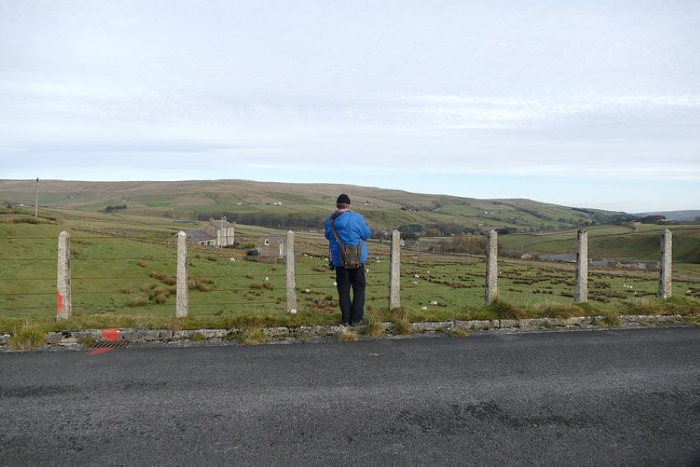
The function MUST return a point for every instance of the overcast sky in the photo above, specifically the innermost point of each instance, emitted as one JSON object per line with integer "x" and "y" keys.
{"x": 579, "y": 103}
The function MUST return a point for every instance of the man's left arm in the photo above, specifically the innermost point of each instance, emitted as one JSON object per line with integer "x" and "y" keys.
{"x": 365, "y": 232}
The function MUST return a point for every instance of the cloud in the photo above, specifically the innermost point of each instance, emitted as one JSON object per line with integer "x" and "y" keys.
{"x": 597, "y": 90}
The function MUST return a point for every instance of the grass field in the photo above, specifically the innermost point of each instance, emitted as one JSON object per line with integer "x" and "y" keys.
{"x": 123, "y": 270}
{"x": 618, "y": 242}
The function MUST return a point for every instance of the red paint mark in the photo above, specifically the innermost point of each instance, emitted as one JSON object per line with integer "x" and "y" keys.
{"x": 99, "y": 351}
{"x": 110, "y": 335}
{"x": 59, "y": 302}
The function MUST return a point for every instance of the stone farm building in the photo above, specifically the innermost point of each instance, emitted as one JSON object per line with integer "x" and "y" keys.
{"x": 272, "y": 246}
{"x": 217, "y": 233}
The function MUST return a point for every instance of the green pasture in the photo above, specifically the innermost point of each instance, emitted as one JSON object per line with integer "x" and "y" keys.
{"x": 615, "y": 242}
{"x": 132, "y": 276}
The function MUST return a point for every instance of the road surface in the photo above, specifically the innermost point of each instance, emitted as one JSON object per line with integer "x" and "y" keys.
{"x": 560, "y": 398}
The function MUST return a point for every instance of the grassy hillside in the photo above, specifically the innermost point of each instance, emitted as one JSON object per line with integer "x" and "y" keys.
{"x": 298, "y": 203}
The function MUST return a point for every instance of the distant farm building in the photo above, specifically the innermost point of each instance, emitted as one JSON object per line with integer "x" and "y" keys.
{"x": 273, "y": 246}
{"x": 217, "y": 233}
{"x": 200, "y": 237}
{"x": 221, "y": 230}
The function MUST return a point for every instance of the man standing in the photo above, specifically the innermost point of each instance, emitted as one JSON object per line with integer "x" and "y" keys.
{"x": 351, "y": 230}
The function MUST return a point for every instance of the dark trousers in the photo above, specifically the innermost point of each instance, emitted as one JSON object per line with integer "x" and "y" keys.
{"x": 352, "y": 310}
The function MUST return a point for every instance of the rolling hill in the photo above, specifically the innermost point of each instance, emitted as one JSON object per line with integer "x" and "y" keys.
{"x": 303, "y": 205}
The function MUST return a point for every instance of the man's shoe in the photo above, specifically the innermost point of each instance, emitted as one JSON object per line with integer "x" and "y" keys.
{"x": 362, "y": 322}
{"x": 344, "y": 324}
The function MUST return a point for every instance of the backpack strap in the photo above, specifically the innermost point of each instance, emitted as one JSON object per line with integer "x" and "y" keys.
{"x": 335, "y": 233}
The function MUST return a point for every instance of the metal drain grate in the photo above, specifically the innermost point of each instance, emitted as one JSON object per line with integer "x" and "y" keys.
{"x": 108, "y": 345}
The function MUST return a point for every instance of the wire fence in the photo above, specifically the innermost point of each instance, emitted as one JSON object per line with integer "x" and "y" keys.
{"x": 136, "y": 275}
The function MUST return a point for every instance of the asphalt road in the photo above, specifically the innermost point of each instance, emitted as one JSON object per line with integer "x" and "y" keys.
{"x": 575, "y": 398}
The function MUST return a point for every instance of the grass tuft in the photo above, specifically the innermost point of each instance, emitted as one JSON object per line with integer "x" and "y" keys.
{"x": 611, "y": 318}
{"x": 197, "y": 337}
{"x": 86, "y": 341}
{"x": 557, "y": 310}
{"x": 374, "y": 327}
{"x": 642, "y": 306}
{"x": 252, "y": 335}
{"x": 506, "y": 310}
{"x": 138, "y": 301}
{"x": 347, "y": 336}
{"x": 682, "y": 306}
{"x": 400, "y": 318}
{"x": 29, "y": 336}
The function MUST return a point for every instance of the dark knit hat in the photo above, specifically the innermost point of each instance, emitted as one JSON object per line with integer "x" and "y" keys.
{"x": 343, "y": 199}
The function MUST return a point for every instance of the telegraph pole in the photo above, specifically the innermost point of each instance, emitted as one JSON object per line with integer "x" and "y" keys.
{"x": 36, "y": 202}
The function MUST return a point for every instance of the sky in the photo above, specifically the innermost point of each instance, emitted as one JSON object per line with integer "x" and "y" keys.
{"x": 591, "y": 103}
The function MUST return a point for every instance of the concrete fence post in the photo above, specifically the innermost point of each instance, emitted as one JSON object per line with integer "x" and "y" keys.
{"x": 291, "y": 274}
{"x": 395, "y": 271}
{"x": 491, "y": 268}
{"x": 581, "y": 292}
{"x": 665, "y": 269}
{"x": 64, "y": 307}
{"x": 182, "y": 304}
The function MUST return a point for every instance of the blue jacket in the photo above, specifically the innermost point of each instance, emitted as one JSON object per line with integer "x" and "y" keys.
{"x": 351, "y": 229}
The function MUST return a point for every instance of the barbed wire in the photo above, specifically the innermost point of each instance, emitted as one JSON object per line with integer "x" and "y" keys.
{"x": 28, "y": 279}
{"x": 117, "y": 258}
{"x": 257, "y": 302}
{"x": 27, "y": 260}
{"x": 29, "y": 238}
{"x": 15, "y": 294}
{"x": 73, "y": 237}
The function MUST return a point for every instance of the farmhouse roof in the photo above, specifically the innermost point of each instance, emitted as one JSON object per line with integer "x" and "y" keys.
{"x": 199, "y": 235}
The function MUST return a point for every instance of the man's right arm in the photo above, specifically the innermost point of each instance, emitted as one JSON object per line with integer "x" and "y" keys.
{"x": 365, "y": 231}
{"x": 327, "y": 230}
